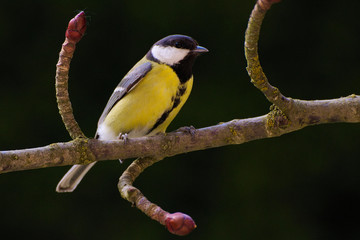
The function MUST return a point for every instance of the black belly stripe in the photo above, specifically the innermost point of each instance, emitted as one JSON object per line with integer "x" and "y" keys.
{"x": 160, "y": 120}
{"x": 176, "y": 101}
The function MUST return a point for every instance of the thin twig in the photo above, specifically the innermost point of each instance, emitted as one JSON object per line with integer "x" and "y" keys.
{"x": 133, "y": 195}
{"x": 177, "y": 223}
{"x": 256, "y": 73}
{"x": 74, "y": 33}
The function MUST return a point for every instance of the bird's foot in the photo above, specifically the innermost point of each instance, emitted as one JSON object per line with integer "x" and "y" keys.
{"x": 189, "y": 129}
{"x": 124, "y": 137}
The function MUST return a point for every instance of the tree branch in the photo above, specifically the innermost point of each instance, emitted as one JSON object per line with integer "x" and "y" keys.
{"x": 274, "y": 124}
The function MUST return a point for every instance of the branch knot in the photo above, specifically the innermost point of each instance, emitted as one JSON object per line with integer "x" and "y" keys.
{"x": 276, "y": 121}
{"x": 81, "y": 146}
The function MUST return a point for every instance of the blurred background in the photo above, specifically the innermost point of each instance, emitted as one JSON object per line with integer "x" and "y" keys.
{"x": 303, "y": 185}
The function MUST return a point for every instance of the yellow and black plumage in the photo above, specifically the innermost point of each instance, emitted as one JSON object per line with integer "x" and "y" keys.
{"x": 147, "y": 99}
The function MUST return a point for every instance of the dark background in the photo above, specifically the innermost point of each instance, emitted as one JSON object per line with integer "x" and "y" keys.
{"x": 303, "y": 185}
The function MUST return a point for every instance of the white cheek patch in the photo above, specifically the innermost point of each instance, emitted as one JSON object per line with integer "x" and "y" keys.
{"x": 169, "y": 55}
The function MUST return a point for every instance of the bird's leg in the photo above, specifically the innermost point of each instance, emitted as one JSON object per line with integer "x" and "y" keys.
{"x": 124, "y": 137}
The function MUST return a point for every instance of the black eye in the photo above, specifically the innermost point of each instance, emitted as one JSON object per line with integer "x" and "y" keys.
{"x": 178, "y": 45}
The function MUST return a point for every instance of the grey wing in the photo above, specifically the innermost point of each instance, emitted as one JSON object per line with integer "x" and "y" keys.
{"x": 125, "y": 86}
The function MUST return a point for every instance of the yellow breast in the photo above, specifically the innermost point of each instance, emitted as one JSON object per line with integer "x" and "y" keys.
{"x": 138, "y": 111}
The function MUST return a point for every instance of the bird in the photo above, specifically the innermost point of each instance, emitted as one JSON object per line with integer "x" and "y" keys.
{"x": 147, "y": 98}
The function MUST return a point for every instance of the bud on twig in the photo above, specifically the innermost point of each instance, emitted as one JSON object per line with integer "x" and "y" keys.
{"x": 179, "y": 223}
{"x": 76, "y": 28}
{"x": 74, "y": 33}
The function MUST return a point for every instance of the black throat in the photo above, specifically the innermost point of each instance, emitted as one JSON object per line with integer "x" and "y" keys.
{"x": 183, "y": 69}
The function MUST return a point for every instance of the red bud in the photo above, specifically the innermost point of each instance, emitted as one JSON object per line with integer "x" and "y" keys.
{"x": 266, "y": 4}
{"x": 179, "y": 223}
{"x": 76, "y": 28}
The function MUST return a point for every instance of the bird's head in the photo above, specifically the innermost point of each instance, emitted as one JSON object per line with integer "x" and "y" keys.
{"x": 174, "y": 49}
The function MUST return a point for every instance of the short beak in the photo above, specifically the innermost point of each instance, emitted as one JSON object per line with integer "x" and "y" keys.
{"x": 199, "y": 50}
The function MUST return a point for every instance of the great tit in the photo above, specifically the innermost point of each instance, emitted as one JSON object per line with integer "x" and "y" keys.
{"x": 147, "y": 99}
